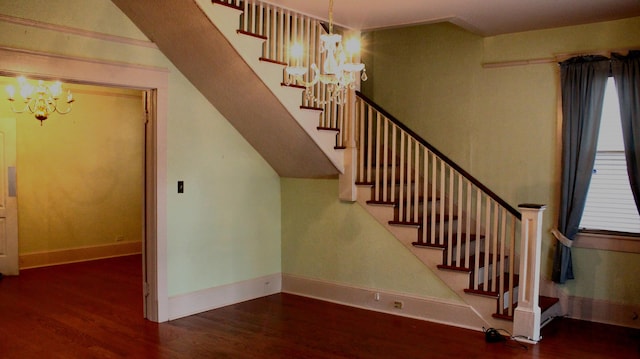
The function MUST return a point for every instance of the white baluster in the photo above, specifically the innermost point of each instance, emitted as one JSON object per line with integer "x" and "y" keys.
{"x": 416, "y": 180}
{"x": 434, "y": 192}
{"x": 369, "y": 144}
{"x": 377, "y": 157}
{"x": 487, "y": 243}
{"x": 385, "y": 162}
{"x": 394, "y": 153}
{"x": 476, "y": 265}
{"x": 402, "y": 175}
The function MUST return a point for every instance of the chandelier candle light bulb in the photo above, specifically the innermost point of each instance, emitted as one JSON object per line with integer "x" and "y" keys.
{"x": 40, "y": 100}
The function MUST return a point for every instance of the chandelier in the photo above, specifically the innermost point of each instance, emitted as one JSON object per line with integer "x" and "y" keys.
{"x": 339, "y": 67}
{"x": 40, "y": 100}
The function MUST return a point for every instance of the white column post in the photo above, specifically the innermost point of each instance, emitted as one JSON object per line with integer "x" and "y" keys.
{"x": 526, "y": 317}
{"x": 347, "y": 180}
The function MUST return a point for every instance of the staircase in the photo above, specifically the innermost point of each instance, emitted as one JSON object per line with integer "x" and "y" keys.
{"x": 460, "y": 229}
{"x": 455, "y": 225}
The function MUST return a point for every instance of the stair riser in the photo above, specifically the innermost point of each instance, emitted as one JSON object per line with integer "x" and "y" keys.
{"x": 463, "y": 247}
{"x": 488, "y": 271}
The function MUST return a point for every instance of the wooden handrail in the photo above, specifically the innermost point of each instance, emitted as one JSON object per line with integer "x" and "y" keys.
{"x": 446, "y": 159}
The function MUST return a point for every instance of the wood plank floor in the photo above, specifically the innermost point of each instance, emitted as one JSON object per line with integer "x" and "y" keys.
{"x": 94, "y": 310}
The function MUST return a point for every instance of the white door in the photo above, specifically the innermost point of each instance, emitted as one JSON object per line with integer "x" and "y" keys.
{"x": 8, "y": 201}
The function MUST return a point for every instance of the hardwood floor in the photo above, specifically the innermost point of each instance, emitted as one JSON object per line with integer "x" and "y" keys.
{"x": 94, "y": 310}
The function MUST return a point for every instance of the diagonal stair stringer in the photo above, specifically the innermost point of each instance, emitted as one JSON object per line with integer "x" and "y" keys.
{"x": 202, "y": 53}
{"x": 226, "y": 19}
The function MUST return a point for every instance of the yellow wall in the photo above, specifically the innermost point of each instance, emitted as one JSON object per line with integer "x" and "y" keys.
{"x": 80, "y": 176}
{"x": 225, "y": 228}
{"x": 500, "y": 124}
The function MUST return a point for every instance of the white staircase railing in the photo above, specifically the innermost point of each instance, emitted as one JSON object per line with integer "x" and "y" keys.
{"x": 475, "y": 228}
{"x": 280, "y": 28}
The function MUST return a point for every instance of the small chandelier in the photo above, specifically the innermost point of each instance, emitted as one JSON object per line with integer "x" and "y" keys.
{"x": 339, "y": 69}
{"x": 40, "y": 100}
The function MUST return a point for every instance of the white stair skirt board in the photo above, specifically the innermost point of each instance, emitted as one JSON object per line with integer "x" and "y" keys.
{"x": 430, "y": 309}
{"x": 211, "y": 298}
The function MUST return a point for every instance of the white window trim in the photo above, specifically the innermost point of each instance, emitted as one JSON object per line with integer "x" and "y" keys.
{"x": 608, "y": 241}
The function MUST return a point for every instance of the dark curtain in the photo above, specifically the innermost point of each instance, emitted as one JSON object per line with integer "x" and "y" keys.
{"x": 583, "y": 80}
{"x": 626, "y": 71}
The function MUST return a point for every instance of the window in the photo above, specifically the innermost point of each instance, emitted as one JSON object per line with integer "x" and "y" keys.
{"x": 610, "y": 205}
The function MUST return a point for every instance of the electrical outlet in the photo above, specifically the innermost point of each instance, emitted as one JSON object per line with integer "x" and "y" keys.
{"x": 398, "y": 304}
{"x": 376, "y": 296}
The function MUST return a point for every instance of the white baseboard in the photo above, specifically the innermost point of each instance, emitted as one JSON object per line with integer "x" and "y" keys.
{"x": 592, "y": 310}
{"x": 429, "y": 309}
{"x": 79, "y": 254}
{"x": 207, "y": 299}
{"x": 602, "y": 311}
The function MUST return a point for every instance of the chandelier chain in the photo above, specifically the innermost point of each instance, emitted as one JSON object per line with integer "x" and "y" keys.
{"x": 331, "y": 16}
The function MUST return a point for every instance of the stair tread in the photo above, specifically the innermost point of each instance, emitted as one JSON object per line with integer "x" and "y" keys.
{"x": 227, "y": 4}
{"x": 292, "y": 85}
{"x": 445, "y": 218}
{"x": 382, "y": 203}
{"x": 258, "y": 36}
{"x": 481, "y": 287}
{"x": 396, "y": 202}
{"x": 544, "y": 303}
{"x": 322, "y": 128}
{"x": 472, "y": 238}
{"x": 454, "y": 266}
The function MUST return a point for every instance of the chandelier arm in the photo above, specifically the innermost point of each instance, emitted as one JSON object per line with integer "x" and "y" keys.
{"x": 32, "y": 105}
{"x": 316, "y": 76}
{"x": 13, "y": 108}
{"x": 65, "y": 111}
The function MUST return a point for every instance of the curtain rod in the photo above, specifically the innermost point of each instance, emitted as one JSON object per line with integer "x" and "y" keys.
{"x": 556, "y": 58}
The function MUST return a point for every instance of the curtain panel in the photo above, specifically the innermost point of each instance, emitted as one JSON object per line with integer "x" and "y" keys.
{"x": 583, "y": 81}
{"x": 626, "y": 72}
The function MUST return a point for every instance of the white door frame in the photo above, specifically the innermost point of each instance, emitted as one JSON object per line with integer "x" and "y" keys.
{"x": 153, "y": 80}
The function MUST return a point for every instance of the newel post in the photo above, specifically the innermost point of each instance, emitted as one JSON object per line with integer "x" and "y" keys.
{"x": 526, "y": 317}
{"x": 347, "y": 179}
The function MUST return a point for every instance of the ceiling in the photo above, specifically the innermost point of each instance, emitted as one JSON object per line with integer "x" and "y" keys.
{"x": 483, "y": 17}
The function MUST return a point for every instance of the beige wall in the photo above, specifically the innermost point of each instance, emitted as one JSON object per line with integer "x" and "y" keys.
{"x": 500, "y": 124}
{"x": 80, "y": 176}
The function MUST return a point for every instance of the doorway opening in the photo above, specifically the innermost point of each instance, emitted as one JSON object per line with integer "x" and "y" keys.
{"x": 123, "y": 80}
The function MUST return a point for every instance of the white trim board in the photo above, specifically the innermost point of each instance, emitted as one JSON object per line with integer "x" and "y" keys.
{"x": 603, "y": 311}
{"x": 430, "y": 309}
{"x": 79, "y": 254}
{"x": 76, "y": 31}
{"x": 212, "y": 298}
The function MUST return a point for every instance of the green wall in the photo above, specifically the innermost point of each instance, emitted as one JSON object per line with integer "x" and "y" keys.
{"x": 333, "y": 241}
{"x": 226, "y": 226}
{"x": 500, "y": 124}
